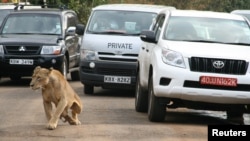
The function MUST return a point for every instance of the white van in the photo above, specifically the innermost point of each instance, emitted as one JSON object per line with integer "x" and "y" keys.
{"x": 111, "y": 44}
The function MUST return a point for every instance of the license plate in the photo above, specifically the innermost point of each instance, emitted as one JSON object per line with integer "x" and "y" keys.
{"x": 219, "y": 81}
{"x": 21, "y": 61}
{"x": 117, "y": 79}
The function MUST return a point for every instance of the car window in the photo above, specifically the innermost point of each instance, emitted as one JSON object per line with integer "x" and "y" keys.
{"x": 127, "y": 22}
{"x": 32, "y": 24}
{"x": 207, "y": 29}
{"x": 3, "y": 14}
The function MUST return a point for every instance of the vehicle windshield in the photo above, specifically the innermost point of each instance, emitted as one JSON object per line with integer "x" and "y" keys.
{"x": 3, "y": 14}
{"x": 120, "y": 22}
{"x": 207, "y": 30}
{"x": 32, "y": 24}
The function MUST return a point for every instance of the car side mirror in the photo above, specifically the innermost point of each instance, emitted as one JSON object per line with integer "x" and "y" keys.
{"x": 80, "y": 29}
{"x": 148, "y": 36}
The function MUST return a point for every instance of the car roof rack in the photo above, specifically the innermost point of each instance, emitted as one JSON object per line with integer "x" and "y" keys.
{"x": 21, "y": 6}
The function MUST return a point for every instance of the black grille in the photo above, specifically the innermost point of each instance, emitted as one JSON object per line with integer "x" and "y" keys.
{"x": 234, "y": 67}
{"x": 111, "y": 57}
{"x": 22, "y": 50}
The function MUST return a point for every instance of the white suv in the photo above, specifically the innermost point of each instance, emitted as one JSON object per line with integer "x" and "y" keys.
{"x": 196, "y": 60}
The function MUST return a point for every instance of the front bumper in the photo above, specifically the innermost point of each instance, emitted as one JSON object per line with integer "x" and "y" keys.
{"x": 46, "y": 61}
{"x": 180, "y": 83}
{"x": 95, "y": 76}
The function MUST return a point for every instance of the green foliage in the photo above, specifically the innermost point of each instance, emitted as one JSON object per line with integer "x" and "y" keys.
{"x": 83, "y": 7}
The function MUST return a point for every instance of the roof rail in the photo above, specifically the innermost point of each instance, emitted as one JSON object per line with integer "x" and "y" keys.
{"x": 21, "y": 6}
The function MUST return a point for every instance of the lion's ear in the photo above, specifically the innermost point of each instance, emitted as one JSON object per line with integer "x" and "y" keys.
{"x": 37, "y": 68}
{"x": 46, "y": 72}
{"x": 51, "y": 68}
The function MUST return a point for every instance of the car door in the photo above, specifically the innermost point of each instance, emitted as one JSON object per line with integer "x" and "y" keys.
{"x": 71, "y": 39}
{"x": 147, "y": 49}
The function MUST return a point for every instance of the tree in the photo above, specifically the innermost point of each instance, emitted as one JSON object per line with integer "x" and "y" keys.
{"x": 83, "y": 7}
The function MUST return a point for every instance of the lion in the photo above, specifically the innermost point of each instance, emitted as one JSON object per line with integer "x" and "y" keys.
{"x": 56, "y": 89}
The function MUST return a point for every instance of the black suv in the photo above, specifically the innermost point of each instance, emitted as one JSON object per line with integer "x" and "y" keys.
{"x": 44, "y": 37}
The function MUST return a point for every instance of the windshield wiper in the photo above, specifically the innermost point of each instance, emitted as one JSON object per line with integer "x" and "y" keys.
{"x": 244, "y": 44}
{"x": 209, "y": 41}
{"x": 116, "y": 33}
{"x": 203, "y": 41}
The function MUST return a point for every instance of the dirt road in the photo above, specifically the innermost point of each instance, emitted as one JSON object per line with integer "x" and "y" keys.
{"x": 107, "y": 116}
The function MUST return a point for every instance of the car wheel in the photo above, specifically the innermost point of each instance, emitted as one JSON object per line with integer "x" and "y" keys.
{"x": 156, "y": 111}
{"x": 88, "y": 89}
{"x": 235, "y": 116}
{"x": 75, "y": 76}
{"x": 141, "y": 97}
{"x": 63, "y": 68}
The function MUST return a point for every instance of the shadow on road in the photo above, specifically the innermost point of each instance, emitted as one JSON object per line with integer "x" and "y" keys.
{"x": 196, "y": 117}
{"x": 6, "y": 82}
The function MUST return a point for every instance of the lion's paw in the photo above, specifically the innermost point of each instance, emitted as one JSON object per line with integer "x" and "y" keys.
{"x": 51, "y": 126}
{"x": 78, "y": 122}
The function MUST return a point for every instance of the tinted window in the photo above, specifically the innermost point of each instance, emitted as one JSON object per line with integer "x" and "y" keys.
{"x": 207, "y": 29}
{"x": 32, "y": 24}
{"x": 130, "y": 22}
{"x": 3, "y": 14}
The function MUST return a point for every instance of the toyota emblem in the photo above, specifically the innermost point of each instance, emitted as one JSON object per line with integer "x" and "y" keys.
{"x": 218, "y": 64}
{"x": 22, "y": 48}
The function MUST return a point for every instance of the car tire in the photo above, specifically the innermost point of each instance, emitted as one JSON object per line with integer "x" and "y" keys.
{"x": 235, "y": 115}
{"x": 88, "y": 89}
{"x": 141, "y": 97}
{"x": 64, "y": 69}
{"x": 75, "y": 76}
{"x": 156, "y": 111}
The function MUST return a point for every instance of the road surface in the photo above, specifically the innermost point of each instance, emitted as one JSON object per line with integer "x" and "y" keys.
{"x": 108, "y": 115}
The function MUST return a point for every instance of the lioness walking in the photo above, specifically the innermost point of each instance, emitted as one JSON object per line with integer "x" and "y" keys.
{"x": 56, "y": 89}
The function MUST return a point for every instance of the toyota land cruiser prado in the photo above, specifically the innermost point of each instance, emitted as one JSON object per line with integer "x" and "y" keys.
{"x": 194, "y": 59}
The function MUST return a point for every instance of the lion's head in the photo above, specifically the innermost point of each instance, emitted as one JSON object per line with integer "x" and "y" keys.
{"x": 40, "y": 78}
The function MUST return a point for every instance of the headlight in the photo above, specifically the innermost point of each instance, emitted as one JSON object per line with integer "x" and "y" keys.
{"x": 51, "y": 50}
{"x": 1, "y": 49}
{"x": 172, "y": 58}
{"x": 88, "y": 55}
